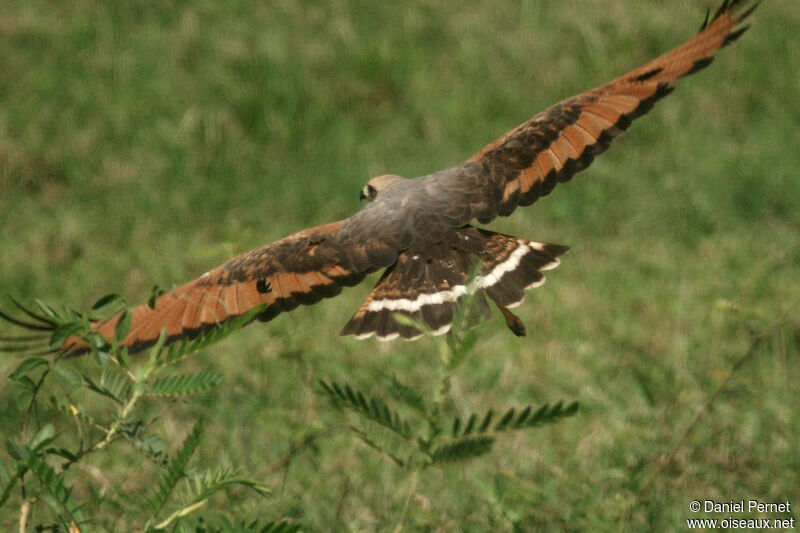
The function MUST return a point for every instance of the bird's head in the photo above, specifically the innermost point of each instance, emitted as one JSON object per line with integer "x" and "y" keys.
{"x": 374, "y": 186}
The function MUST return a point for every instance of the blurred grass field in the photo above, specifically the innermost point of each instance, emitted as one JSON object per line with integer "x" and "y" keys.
{"x": 147, "y": 142}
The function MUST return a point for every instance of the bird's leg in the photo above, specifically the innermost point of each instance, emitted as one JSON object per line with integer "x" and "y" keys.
{"x": 513, "y": 322}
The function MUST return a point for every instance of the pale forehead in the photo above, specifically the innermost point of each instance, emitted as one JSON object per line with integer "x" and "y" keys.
{"x": 381, "y": 182}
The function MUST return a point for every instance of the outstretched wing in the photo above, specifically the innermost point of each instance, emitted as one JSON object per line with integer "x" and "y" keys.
{"x": 298, "y": 270}
{"x": 528, "y": 161}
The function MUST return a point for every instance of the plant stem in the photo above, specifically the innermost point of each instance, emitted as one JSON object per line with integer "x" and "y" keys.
{"x": 414, "y": 482}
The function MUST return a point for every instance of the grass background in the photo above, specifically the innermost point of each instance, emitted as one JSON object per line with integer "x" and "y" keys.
{"x": 146, "y": 142}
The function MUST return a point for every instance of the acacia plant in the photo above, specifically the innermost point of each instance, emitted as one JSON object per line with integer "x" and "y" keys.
{"x": 70, "y": 411}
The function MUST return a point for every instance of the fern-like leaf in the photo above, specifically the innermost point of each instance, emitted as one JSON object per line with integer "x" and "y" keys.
{"x": 377, "y": 447}
{"x": 203, "y": 486}
{"x": 374, "y": 409}
{"x": 175, "y": 470}
{"x": 208, "y": 483}
{"x": 183, "y": 385}
{"x": 462, "y": 448}
{"x": 10, "y": 480}
{"x": 60, "y": 495}
{"x": 547, "y": 415}
{"x": 408, "y": 395}
{"x": 113, "y": 385}
{"x": 511, "y": 420}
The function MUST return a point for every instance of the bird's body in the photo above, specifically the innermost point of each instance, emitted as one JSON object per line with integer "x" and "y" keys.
{"x": 419, "y": 230}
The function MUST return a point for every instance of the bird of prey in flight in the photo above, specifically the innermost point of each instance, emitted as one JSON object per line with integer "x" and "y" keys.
{"x": 419, "y": 231}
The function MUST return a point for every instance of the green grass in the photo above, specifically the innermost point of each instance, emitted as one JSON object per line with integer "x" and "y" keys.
{"x": 146, "y": 142}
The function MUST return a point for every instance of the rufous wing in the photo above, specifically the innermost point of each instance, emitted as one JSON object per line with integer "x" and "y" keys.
{"x": 528, "y": 161}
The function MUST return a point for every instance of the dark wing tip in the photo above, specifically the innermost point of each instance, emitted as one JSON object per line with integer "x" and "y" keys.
{"x": 727, "y": 7}
{"x": 732, "y": 36}
{"x": 749, "y": 11}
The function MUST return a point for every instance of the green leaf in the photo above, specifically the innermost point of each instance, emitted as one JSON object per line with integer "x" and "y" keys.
{"x": 409, "y": 396}
{"x": 374, "y": 409}
{"x": 505, "y": 420}
{"x": 62, "y": 452}
{"x": 27, "y": 365}
{"x": 99, "y": 343}
{"x": 5, "y": 474}
{"x": 9, "y": 482}
{"x": 546, "y": 414}
{"x": 23, "y": 393}
{"x": 456, "y": 426}
{"x": 43, "y": 437}
{"x": 46, "y": 310}
{"x": 106, "y": 302}
{"x": 183, "y": 385}
{"x": 67, "y": 376}
{"x": 112, "y": 385}
{"x": 523, "y": 416}
{"x": 205, "y": 485}
{"x": 123, "y": 326}
{"x": 63, "y": 332}
{"x": 175, "y": 471}
{"x": 24, "y": 382}
{"x": 15, "y": 450}
{"x": 486, "y": 421}
{"x": 123, "y": 358}
{"x": 208, "y": 483}
{"x": 61, "y": 500}
{"x": 470, "y": 424}
{"x": 462, "y": 449}
{"x": 23, "y": 387}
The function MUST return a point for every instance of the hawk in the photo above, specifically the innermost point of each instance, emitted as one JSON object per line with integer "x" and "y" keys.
{"x": 420, "y": 232}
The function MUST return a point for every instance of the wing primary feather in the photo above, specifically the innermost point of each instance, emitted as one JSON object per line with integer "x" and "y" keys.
{"x": 603, "y": 113}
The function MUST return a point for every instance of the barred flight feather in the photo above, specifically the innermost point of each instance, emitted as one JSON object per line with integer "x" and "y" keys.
{"x": 508, "y": 266}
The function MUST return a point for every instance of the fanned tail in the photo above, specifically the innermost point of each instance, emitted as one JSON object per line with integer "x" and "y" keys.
{"x": 426, "y": 285}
